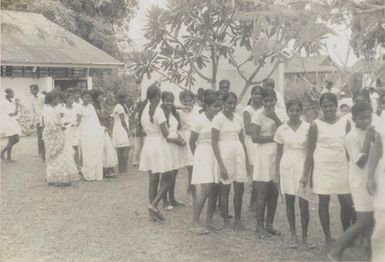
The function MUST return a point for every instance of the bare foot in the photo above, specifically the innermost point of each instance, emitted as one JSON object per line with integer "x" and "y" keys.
{"x": 270, "y": 229}
{"x": 293, "y": 242}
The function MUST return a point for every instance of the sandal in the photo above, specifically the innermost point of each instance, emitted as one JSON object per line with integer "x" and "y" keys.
{"x": 293, "y": 242}
{"x": 309, "y": 245}
{"x": 168, "y": 208}
{"x": 272, "y": 231}
{"x": 199, "y": 230}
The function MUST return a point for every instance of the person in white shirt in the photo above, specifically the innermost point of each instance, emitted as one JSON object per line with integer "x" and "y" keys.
{"x": 9, "y": 125}
{"x": 37, "y": 108}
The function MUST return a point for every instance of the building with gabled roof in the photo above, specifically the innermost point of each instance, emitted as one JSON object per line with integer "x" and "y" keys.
{"x": 35, "y": 50}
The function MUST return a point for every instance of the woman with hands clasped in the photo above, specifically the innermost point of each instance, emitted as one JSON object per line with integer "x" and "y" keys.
{"x": 230, "y": 151}
{"x": 264, "y": 125}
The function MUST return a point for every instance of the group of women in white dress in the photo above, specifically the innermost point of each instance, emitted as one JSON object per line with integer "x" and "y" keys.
{"x": 274, "y": 147}
{"x": 77, "y": 136}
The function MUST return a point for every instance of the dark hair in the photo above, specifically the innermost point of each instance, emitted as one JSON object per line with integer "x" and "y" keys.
{"x": 255, "y": 88}
{"x": 228, "y": 95}
{"x": 220, "y": 93}
{"x": 34, "y": 86}
{"x": 328, "y": 96}
{"x": 342, "y": 105}
{"x": 86, "y": 92}
{"x": 173, "y": 110}
{"x": 293, "y": 102}
{"x": 224, "y": 81}
{"x": 268, "y": 82}
{"x": 152, "y": 92}
{"x": 8, "y": 91}
{"x": 184, "y": 94}
{"x": 360, "y": 107}
{"x": 266, "y": 92}
{"x": 67, "y": 95}
{"x": 364, "y": 93}
{"x": 95, "y": 93}
{"x": 119, "y": 97}
{"x": 50, "y": 96}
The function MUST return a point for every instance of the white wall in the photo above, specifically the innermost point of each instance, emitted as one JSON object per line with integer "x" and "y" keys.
{"x": 20, "y": 86}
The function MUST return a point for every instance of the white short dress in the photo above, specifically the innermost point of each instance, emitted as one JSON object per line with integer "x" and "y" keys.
{"x": 204, "y": 170}
{"x": 9, "y": 124}
{"x": 230, "y": 148}
{"x": 331, "y": 169}
{"x": 187, "y": 119}
{"x": 294, "y": 155}
{"x": 250, "y": 146}
{"x": 119, "y": 134}
{"x": 180, "y": 155}
{"x": 265, "y": 154}
{"x": 155, "y": 156}
{"x": 69, "y": 115}
{"x": 358, "y": 177}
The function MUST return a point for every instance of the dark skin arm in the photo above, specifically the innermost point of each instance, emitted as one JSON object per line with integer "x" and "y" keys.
{"x": 123, "y": 121}
{"x": 247, "y": 123}
{"x": 193, "y": 141}
{"x": 309, "y": 161}
{"x": 214, "y": 142}
{"x": 242, "y": 139}
{"x": 376, "y": 154}
{"x": 164, "y": 129}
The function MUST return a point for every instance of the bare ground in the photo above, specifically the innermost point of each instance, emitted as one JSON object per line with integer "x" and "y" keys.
{"x": 108, "y": 221}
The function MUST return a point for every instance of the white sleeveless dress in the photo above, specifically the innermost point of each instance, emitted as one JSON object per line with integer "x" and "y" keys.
{"x": 331, "y": 169}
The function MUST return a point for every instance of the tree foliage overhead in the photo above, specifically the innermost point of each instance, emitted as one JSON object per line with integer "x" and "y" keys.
{"x": 192, "y": 38}
{"x": 96, "y": 21}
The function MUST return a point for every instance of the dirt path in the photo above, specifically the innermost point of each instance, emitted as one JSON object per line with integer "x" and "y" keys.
{"x": 108, "y": 221}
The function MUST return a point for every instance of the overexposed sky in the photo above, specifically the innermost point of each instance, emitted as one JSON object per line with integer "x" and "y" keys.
{"x": 337, "y": 45}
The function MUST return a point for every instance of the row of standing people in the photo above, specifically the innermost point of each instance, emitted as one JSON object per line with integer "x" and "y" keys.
{"x": 278, "y": 149}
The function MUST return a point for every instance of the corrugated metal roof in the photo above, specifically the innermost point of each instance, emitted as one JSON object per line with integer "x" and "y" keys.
{"x": 30, "y": 39}
{"x": 310, "y": 64}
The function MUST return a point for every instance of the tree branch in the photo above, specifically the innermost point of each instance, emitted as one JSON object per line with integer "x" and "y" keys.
{"x": 238, "y": 67}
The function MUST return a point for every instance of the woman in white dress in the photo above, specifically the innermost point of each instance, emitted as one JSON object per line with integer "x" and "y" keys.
{"x": 291, "y": 138}
{"x": 10, "y": 127}
{"x": 177, "y": 145}
{"x": 69, "y": 117}
{"x": 91, "y": 139}
{"x": 231, "y": 154}
{"x": 110, "y": 159}
{"x": 264, "y": 125}
{"x": 187, "y": 115}
{"x": 326, "y": 166}
{"x": 254, "y": 104}
{"x": 120, "y": 132}
{"x": 155, "y": 157}
{"x": 205, "y": 173}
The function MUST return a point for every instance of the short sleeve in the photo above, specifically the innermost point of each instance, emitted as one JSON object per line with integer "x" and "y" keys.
{"x": 218, "y": 122}
{"x": 257, "y": 118}
{"x": 118, "y": 109}
{"x": 159, "y": 116}
{"x": 197, "y": 126}
{"x": 278, "y": 137}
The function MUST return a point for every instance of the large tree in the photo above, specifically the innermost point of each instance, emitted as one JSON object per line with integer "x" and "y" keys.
{"x": 99, "y": 22}
{"x": 192, "y": 38}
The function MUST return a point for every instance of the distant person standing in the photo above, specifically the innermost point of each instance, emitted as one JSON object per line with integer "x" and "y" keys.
{"x": 269, "y": 83}
{"x": 37, "y": 108}
{"x": 224, "y": 85}
{"x": 328, "y": 88}
{"x": 9, "y": 125}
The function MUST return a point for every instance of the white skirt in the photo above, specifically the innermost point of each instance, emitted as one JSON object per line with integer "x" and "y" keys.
{"x": 155, "y": 156}
{"x": 10, "y": 126}
{"x": 72, "y": 135}
{"x": 234, "y": 159}
{"x": 119, "y": 136}
{"x": 204, "y": 170}
{"x": 110, "y": 158}
{"x": 264, "y": 162}
{"x": 186, "y": 154}
{"x": 179, "y": 155}
{"x": 291, "y": 169}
